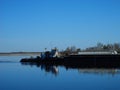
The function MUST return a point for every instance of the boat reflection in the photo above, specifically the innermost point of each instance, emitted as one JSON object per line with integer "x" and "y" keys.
{"x": 54, "y": 69}
{"x": 47, "y": 68}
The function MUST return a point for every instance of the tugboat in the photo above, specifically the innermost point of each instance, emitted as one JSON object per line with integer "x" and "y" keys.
{"x": 82, "y": 59}
{"x": 44, "y": 56}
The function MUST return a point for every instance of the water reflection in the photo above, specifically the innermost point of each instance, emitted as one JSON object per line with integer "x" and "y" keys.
{"x": 54, "y": 69}
{"x": 101, "y": 71}
{"x": 47, "y": 68}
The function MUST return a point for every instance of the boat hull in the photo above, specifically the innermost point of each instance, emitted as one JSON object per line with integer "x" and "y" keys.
{"x": 82, "y": 61}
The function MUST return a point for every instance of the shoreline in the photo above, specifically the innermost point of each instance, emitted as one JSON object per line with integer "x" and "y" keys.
{"x": 18, "y": 53}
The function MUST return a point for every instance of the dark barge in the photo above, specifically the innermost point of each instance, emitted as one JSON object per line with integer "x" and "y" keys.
{"x": 81, "y": 61}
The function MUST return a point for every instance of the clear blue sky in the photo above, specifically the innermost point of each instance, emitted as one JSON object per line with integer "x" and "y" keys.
{"x": 32, "y": 25}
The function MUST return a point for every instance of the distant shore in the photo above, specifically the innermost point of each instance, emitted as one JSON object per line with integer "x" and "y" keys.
{"x": 18, "y": 53}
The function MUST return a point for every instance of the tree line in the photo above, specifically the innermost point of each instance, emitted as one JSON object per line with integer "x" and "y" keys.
{"x": 98, "y": 47}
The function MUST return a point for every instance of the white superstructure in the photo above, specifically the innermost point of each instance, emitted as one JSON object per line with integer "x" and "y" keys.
{"x": 90, "y": 53}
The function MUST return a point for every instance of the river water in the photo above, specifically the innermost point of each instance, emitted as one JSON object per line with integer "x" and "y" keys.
{"x": 17, "y": 76}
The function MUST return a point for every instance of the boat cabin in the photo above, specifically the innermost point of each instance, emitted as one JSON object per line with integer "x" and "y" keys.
{"x": 50, "y": 54}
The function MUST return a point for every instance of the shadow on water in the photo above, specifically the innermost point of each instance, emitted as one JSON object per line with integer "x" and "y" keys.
{"x": 55, "y": 70}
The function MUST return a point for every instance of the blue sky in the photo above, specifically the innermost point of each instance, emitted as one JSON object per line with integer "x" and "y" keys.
{"x": 32, "y": 25}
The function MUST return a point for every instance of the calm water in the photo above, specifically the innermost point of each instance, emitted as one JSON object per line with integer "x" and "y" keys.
{"x": 17, "y": 76}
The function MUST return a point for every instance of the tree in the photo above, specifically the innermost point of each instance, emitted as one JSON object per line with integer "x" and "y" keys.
{"x": 116, "y": 46}
{"x": 73, "y": 49}
{"x": 78, "y": 50}
{"x": 100, "y": 45}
